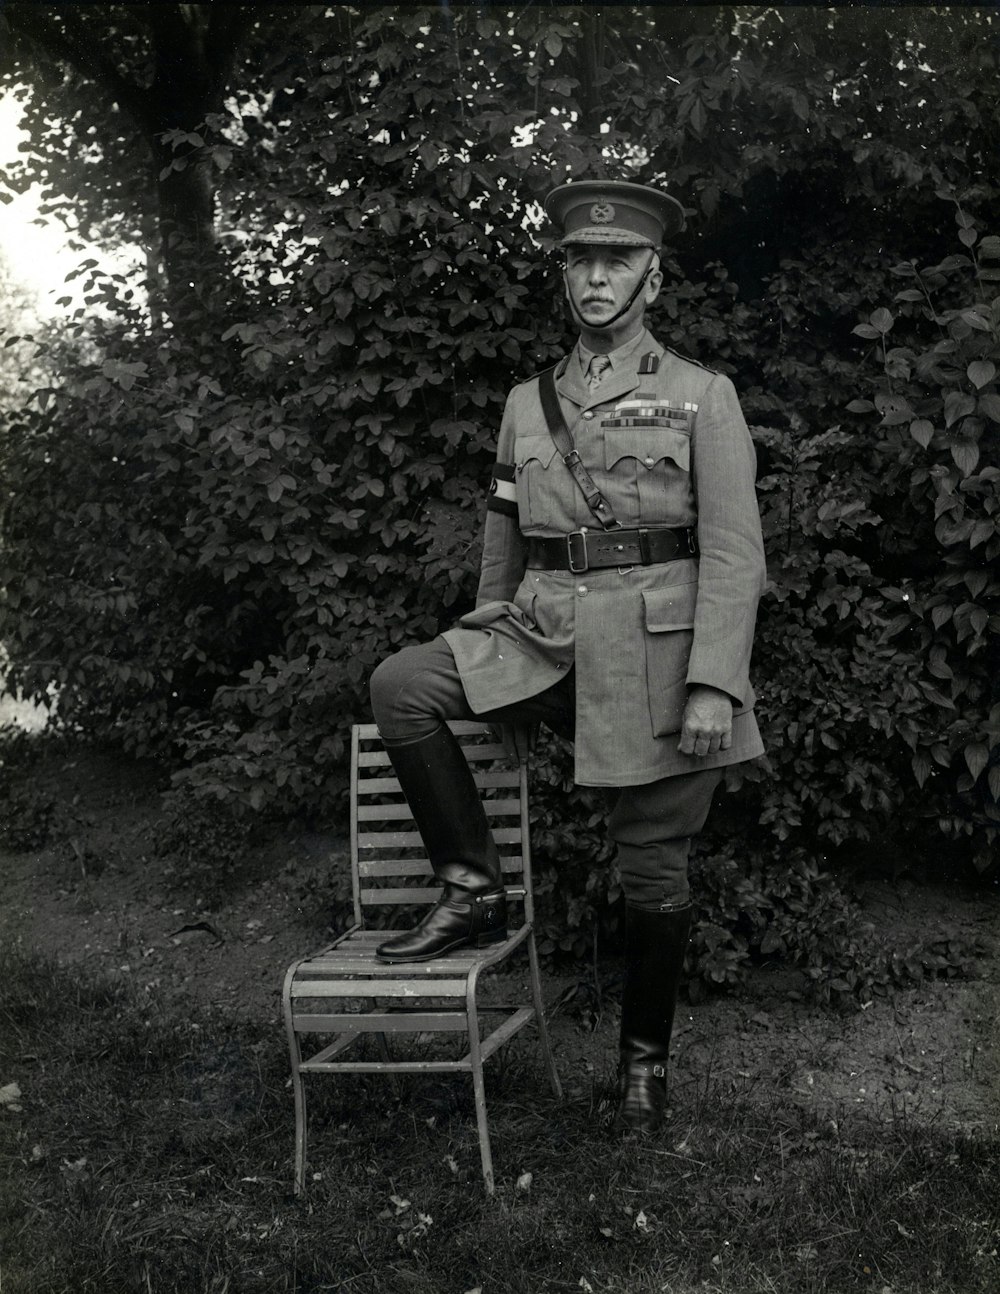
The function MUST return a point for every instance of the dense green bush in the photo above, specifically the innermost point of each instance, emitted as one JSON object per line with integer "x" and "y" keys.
{"x": 218, "y": 520}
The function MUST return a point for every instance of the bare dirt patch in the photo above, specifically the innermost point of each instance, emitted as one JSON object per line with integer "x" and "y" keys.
{"x": 102, "y": 900}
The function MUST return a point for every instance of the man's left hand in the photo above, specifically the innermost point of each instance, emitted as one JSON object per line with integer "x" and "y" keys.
{"x": 707, "y": 726}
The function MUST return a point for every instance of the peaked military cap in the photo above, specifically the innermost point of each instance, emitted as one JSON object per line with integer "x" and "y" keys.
{"x": 613, "y": 212}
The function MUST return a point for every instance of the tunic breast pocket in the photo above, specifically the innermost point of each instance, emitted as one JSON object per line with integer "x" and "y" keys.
{"x": 648, "y": 468}
{"x": 669, "y": 633}
{"x": 533, "y": 456}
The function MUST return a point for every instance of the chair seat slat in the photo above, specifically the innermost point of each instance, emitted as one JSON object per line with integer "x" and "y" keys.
{"x": 403, "y": 988}
{"x": 387, "y": 1067}
{"x": 364, "y": 962}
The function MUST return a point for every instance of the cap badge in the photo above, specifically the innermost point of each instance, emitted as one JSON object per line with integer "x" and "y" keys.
{"x": 602, "y": 213}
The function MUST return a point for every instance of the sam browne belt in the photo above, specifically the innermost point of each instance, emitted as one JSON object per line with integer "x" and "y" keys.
{"x": 585, "y": 550}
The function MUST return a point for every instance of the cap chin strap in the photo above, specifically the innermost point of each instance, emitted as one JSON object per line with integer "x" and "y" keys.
{"x": 600, "y": 327}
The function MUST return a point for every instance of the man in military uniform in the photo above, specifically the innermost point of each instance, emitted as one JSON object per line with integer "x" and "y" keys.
{"x": 622, "y": 566}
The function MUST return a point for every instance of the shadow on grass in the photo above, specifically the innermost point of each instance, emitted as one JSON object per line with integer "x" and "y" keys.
{"x": 152, "y": 1152}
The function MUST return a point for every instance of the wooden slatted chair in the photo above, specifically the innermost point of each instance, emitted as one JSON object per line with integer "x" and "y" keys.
{"x": 344, "y": 993}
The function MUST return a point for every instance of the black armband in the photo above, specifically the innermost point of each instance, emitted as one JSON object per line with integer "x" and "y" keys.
{"x": 502, "y": 492}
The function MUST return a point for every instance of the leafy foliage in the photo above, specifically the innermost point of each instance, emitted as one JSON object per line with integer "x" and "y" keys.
{"x": 219, "y": 519}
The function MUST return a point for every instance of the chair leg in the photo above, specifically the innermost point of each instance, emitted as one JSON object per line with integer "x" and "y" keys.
{"x": 301, "y": 1131}
{"x": 479, "y": 1092}
{"x": 543, "y": 1029}
{"x": 298, "y": 1085}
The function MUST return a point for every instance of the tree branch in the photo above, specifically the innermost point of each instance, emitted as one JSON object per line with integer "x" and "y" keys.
{"x": 33, "y": 26}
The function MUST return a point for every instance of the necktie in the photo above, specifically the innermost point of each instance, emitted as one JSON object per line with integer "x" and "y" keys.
{"x": 599, "y": 365}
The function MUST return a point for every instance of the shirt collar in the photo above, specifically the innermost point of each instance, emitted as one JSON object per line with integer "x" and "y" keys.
{"x": 619, "y": 358}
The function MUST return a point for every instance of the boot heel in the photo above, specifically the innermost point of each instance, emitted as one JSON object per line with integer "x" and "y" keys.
{"x": 491, "y": 937}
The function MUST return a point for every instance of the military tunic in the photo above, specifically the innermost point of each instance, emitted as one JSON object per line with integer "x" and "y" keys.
{"x": 666, "y": 443}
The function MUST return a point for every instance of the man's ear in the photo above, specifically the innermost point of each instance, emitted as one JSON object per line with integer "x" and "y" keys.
{"x": 653, "y": 285}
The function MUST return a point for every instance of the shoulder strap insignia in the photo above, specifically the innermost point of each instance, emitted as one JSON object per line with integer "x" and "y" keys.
{"x": 649, "y": 363}
{"x": 688, "y": 360}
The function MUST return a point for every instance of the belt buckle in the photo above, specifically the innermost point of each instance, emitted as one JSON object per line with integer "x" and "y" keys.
{"x": 582, "y": 536}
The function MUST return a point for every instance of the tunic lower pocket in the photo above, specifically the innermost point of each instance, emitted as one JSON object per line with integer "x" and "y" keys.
{"x": 669, "y": 618}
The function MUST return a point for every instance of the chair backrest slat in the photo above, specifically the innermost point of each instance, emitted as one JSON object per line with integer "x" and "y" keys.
{"x": 511, "y": 864}
{"x": 492, "y": 779}
{"x": 388, "y": 860}
{"x": 387, "y": 812}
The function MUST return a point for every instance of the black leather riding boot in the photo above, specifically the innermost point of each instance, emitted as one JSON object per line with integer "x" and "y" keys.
{"x": 655, "y": 942}
{"x": 446, "y": 807}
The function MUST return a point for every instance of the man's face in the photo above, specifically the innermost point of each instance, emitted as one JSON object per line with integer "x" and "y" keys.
{"x": 599, "y": 280}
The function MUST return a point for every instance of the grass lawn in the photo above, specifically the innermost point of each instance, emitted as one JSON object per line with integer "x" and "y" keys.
{"x": 150, "y": 1150}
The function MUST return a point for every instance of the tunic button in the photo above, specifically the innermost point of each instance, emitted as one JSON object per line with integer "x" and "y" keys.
{"x": 648, "y": 461}
{"x": 589, "y": 413}
{"x": 582, "y": 590}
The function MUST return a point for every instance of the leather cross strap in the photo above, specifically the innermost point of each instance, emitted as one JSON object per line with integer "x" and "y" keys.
{"x": 559, "y": 432}
{"x": 586, "y": 550}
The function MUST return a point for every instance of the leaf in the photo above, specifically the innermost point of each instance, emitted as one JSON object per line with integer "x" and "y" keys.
{"x": 430, "y": 154}
{"x": 10, "y": 1097}
{"x": 976, "y": 319}
{"x": 461, "y": 182}
{"x": 981, "y": 371}
{"x": 921, "y": 430}
{"x": 867, "y": 331}
{"x": 881, "y": 319}
{"x": 860, "y": 406}
{"x": 966, "y": 456}
{"x": 389, "y": 221}
{"x": 990, "y": 405}
{"x": 937, "y": 698}
{"x": 893, "y": 408}
{"x": 976, "y": 758}
{"x": 956, "y": 405}
{"x": 967, "y": 237}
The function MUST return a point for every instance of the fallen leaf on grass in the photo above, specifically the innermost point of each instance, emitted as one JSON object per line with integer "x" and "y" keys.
{"x": 10, "y": 1098}
{"x": 197, "y": 928}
